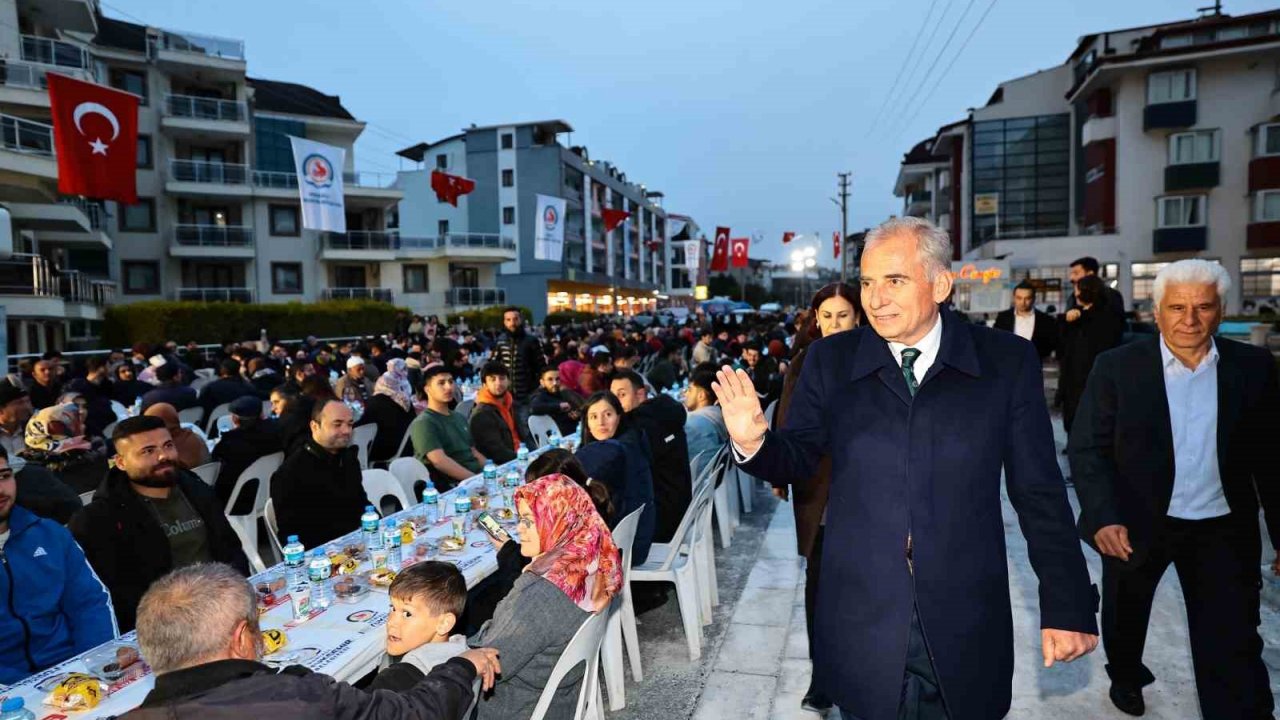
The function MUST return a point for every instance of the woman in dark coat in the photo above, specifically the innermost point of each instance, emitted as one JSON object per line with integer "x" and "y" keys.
{"x": 835, "y": 308}
{"x": 1088, "y": 330}
{"x": 618, "y": 455}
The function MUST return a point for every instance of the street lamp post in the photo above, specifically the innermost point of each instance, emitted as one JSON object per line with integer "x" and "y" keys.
{"x": 801, "y": 260}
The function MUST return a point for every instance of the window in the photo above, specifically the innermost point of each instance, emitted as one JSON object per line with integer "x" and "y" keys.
{"x": 1144, "y": 282}
{"x": 139, "y": 217}
{"x": 415, "y": 279}
{"x": 1200, "y": 146}
{"x": 284, "y": 220}
{"x": 442, "y": 228}
{"x": 944, "y": 179}
{"x": 1267, "y": 206}
{"x": 144, "y": 151}
{"x": 1024, "y": 162}
{"x": 442, "y": 161}
{"x": 134, "y": 81}
{"x": 508, "y": 178}
{"x": 1269, "y": 139}
{"x": 274, "y": 149}
{"x": 1171, "y": 86}
{"x": 286, "y": 278}
{"x": 1176, "y": 211}
{"x": 1259, "y": 278}
{"x": 508, "y": 141}
{"x": 140, "y": 278}
{"x": 508, "y": 216}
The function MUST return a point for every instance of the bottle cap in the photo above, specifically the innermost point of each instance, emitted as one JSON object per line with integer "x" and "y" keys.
{"x": 292, "y": 539}
{"x": 368, "y": 508}
{"x": 12, "y": 704}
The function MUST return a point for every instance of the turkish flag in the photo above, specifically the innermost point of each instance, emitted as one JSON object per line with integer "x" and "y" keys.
{"x": 788, "y": 237}
{"x": 95, "y": 135}
{"x": 449, "y": 188}
{"x": 835, "y": 239}
{"x": 613, "y": 218}
{"x": 738, "y": 249}
{"x": 720, "y": 252}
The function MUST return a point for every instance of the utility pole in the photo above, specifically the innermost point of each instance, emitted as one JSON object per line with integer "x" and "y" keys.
{"x": 844, "y": 224}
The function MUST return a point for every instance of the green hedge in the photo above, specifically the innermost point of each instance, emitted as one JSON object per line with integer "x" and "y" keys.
{"x": 161, "y": 320}
{"x": 486, "y": 319}
{"x": 565, "y": 317}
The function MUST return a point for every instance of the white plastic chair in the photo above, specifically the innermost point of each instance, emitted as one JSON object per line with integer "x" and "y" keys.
{"x": 707, "y": 468}
{"x": 622, "y": 620}
{"x": 120, "y": 410}
{"x": 109, "y": 429}
{"x": 214, "y": 414}
{"x": 266, "y": 408}
{"x": 191, "y": 415}
{"x": 409, "y": 471}
{"x": 208, "y": 472}
{"x": 381, "y": 483}
{"x": 541, "y": 428}
{"x": 246, "y": 526}
{"x": 702, "y": 549}
{"x": 363, "y": 437}
{"x": 583, "y": 648}
{"x": 269, "y": 517}
{"x": 404, "y": 442}
{"x": 667, "y": 564}
{"x": 464, "y": 408}
{"x": 199, "y": 384}
{"x": 87, "y": 497}
{"x": 746, "y": 486}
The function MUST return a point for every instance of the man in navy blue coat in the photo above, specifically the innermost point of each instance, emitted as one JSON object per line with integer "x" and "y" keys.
{"x": 920, "y": 412}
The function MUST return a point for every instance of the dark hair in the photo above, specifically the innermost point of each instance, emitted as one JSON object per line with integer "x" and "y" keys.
{"x": 300, "y": 367}
{"x": 229, "y": 368}
{"x": 166, "y": 372}
{"x": 825, "y": 293}
{"x": 548, "y": 369}
{"x": 1089, "y": 264}
{"x": 317, "y": 388}
{"x": 317, "y": 409}
{"x": 1026, "y": 285}
{"x": 94, "y": 363}
{"x": 125, "y": 366}
{"x": 702, "y": 377}
{"x": 288, "y": 392}
{"x": 134, "y": 425}
{"x": 559, "y": 460}
{"x": 608, "y": 397}
{"x": 1091, "y": 290}
{"x": 433, "y": 371}
{"x": 440, "y": 585}
{"x": 494, "y": 368}
{"x": 4, "y": 454}
{"x": 706, "y": 332}
{"x": 753, "y": 345}
{"x": 631, "y": 376}
{"x": 514, "y": 309}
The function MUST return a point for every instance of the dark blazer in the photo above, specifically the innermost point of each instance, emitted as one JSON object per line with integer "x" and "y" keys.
{"x": 491, "y": 434}
{"x": 808, "y": 498}
{"x": 1121, "y": 446}
{"x": 1044, "y": 336}
{"x": 318, "y": 495}
{"x": 929, "y": 466}
{"x": 392, "y": 421}
{"x": 239, "y": 448}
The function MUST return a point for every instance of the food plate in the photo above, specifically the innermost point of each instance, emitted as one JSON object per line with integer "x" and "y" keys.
{"x": 451, "y": 544}
{"x": 504, "y": 514}
{"x": 296, "y": 656}
{"x": 381, "y": 578}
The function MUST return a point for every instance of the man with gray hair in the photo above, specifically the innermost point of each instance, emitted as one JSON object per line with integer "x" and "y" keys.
{"x": 1170, "y": 454}
{"x": 920, "y": 412}
{"x": 198, "y": 630}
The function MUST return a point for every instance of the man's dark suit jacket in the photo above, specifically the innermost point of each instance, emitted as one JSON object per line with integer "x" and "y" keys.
{"x": 1121, "y": 446}
{"x": 1044, "y": 336}
{"x": 928, "y": 466}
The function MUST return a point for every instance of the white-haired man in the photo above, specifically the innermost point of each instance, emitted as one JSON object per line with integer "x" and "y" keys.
{"x": 1170, "y": 453}
{"x": 919, "y": 413}
{"x": 198, "y": 630}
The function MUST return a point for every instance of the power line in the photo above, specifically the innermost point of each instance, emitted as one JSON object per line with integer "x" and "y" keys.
{"x": 910, "y": 54}
{"x": 924, "y": 79}
{"x": 918, "y": 59}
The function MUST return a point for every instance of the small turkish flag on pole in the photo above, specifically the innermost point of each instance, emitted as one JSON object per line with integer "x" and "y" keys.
{"x": 788, "y": 237}
{"x": 739, "y": 251}
{"x": 449, "y": 188}
{"x": 95, "y": 135}
{"x": 835, "y": 239}
{"x": 613, "y": 218}
{"x": 720, "y": 251}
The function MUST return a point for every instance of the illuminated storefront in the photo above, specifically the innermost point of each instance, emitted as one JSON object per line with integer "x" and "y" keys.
{"x": 599, "y": 299}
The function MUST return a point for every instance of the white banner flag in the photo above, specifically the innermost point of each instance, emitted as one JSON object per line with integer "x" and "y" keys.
{"x": 692, "y": 256}
{"x": 319, "y": 168}
{"x": 548, "y": 234}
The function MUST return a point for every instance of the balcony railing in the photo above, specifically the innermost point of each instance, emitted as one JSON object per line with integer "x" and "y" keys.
{"x": 26, "y": 136}
{"x": 358, "y": 293}
{"x": 360, "y": 240}
{"x": 30, "y": 275}
{"x": 239, "y": 295}
{"x": 48, "y": 51}
{"x": 275, "y": 179}
{"x": 92, "y": 210}
{"x": 289, "y": 181}
{"x": 206, "y": 45}
{"x": 231, "y": 236}
{"x": 205, "y": 171}
{"x": 475, "y": 297}
{"x": 204, "y": 108}
{"x": 74, "y": 286}
{"x": 459, "y": 240}
{"x": 104, "y": 293}
{"x": 919, "y": 196}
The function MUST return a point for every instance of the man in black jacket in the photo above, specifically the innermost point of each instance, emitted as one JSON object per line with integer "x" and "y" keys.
{"x": 171, "y": 390}
{"x": 662, "y": 420}
{"x": 1085, "y": 266}
{"x": 522, "y": 354}
{"x": 250, "y": 438}
{"x": 211, "y": 670}
{"x": 229, "y": 386}
{"x": 318, "y": 493}
{"x": 1028, "y": 322}
{"x": 1171, "y": 451}
{"x": 149, "y": 517}
{"x": 560, "y": 404}
{"x": 493, "y": 415}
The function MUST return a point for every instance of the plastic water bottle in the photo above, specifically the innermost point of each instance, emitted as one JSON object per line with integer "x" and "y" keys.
{"x": 369, "y": 528}
{"x": 513, "y": 479}
{"x": 318, "y": 574}
{"x": 431, "y": 499}
{"x": 490, "y": 473}
{"x": 462, "y": 511}
{"x": 14, "y": 708}
{"x": 295, "y": 558}
{"x": 391, "y": 541}
{"x": 554, "y": 438}
{"x": 522, "y": 454}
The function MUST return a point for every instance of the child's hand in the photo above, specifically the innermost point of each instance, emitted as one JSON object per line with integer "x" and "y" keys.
{"x": 486, "y": 663}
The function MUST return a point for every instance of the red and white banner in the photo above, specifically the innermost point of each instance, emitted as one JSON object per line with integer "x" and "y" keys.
{"x": 449, "y": 188}
{"x": 788, "y": 237}
{"x": 720, "y": 251}
{"x": 738, "y": 248}
{"x": 95, "y": 136}
{"x": 835, "y": 240}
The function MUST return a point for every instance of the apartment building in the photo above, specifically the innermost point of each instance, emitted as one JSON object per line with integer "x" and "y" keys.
{"x": 1146, "y": 146}
{"x": 217, "y": 217}
{"x": 481, "y": 252}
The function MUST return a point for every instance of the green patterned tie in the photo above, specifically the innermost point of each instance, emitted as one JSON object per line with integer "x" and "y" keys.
{"x": 909, "y": 356}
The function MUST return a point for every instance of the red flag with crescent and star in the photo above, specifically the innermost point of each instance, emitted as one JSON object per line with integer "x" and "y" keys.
{"x": 835, "y": 240}
{"x": 720, "y": 251}
{"x": 788, "y": 237}
{"x": 95, "y": 136}
{"x": 449, "y": 188}
{"x": 738, "y": 251}
{"x": 613, "y": 218}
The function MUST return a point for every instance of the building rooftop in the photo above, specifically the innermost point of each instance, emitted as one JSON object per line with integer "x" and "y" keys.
{"x": 295, "y": 99}
{"x": 552, "y": 126}
{"x": 923, "y": 153}
{"x": 417, "y": 152}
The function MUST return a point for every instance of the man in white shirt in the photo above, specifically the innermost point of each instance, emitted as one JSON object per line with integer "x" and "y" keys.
{"x": 1028, "y": 323}
{"x": 1171, "y": 452}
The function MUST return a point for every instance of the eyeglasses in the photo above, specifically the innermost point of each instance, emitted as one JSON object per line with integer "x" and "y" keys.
{"x": 525, "y": 522}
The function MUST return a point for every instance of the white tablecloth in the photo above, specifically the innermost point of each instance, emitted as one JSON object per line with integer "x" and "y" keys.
{"x": 346, "y": 641}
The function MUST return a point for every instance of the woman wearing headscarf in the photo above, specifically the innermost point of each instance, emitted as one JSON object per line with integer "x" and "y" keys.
{"x": 55, "y": 440}
{"x": 192, "y": 449}
{"x": 570, "y": 372}
{"x": 391, "y": 409}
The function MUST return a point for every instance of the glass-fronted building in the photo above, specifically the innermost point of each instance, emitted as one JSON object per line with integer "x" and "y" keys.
{"x": 1021, "y": 177}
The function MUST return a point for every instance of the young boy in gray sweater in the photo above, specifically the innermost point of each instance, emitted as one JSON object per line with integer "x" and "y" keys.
{"x": 427, "y": 599}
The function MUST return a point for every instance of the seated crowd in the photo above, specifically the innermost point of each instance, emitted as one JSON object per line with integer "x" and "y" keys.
{"x": 150, "y": 545}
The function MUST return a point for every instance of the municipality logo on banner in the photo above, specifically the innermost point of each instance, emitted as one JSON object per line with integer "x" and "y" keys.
{"x": 548, "y": 235}
{"x": 319, "y": 168}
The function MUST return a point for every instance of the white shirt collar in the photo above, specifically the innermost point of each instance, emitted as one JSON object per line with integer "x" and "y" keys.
{"x": 928, "y": 346}
{"x": 1168, "y": 359}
